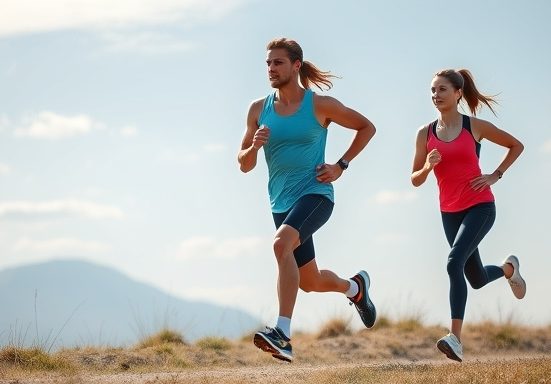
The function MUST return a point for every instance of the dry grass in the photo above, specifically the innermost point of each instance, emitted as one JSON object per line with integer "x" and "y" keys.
{"x": 399, "y": 351}
{"x": 335, "y": 327}
{"x": 33, "y": 359}
{"x": 214, "y": 343}
{"x": 516, "y": 371}
{"x": 164, "y": 336}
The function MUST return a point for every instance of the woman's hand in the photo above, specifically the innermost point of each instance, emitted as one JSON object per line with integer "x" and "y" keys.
{"x": 433, "y": 158}
{"x": 484, "y": 181}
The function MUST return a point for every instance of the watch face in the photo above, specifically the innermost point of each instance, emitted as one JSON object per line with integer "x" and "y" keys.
{"x": 343, "y": 164}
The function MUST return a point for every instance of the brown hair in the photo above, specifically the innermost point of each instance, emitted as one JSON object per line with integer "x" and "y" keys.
{"x": 308, "y": 72}
{"x": 463, "y": 79}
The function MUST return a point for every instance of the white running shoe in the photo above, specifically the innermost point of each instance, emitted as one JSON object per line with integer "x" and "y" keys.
{"x": 517, "y": 283}
{"x": 451, "y": 347}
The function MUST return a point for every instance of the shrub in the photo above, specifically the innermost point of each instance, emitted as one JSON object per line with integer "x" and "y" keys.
{"x": 164, "y": 336}
{"x": 32, "y": 358}
{"x": 215, "y": 343}
{"x": 334, "y": 327}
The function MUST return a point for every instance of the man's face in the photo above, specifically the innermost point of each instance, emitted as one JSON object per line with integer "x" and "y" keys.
{"x": 280, "y": 68}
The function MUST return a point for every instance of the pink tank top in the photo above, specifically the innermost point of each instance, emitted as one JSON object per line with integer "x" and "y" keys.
{"x": 458, "y": 167}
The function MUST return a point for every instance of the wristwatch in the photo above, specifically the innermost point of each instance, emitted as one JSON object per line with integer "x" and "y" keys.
{"x": 343, "y": 164}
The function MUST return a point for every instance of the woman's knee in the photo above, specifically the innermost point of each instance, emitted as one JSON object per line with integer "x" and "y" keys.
{"x": 454, "y": 266}
{"x": 477, "y": 283}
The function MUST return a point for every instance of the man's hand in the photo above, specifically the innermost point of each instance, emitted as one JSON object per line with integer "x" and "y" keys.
{"x": 327, "y": 173}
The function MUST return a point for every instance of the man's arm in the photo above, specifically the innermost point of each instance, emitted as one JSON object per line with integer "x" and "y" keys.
{"x": 253, "y": 139}
{"x": 329, "y": 109}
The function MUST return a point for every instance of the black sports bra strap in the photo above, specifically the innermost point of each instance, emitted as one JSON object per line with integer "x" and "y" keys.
{"x": 467, "y": 123}
{"x": 432, "y": 126}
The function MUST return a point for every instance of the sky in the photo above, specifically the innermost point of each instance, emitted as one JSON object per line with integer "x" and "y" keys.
{"x": 120, "y": 127}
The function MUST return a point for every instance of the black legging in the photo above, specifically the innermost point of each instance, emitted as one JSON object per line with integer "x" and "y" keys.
{"x": 464, "y": 231}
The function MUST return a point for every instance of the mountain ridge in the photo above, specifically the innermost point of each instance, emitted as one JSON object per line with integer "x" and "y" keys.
{"x": 69, "y": 302}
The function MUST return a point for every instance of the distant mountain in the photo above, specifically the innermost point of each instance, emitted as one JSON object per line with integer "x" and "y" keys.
{"x": 76, "y": 303}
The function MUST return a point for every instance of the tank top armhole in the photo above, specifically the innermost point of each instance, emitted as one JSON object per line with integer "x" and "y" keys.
{"x": 467, "y": 126}
{"x": 431, "y": 127}
{"x": 308, "y": 101}
{"x": 265, "y": 106}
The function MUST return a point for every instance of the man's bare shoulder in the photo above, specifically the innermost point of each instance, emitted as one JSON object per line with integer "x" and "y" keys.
{"x": 255, "y": 108}
{"x": 327, "y": 104}
{"x": 324, "y": 99}
{"x": 258, "y": 102}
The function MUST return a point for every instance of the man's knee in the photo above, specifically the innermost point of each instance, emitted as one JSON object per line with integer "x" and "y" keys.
{"x": 282, "y": 248}
{"x": 285, "y": 242}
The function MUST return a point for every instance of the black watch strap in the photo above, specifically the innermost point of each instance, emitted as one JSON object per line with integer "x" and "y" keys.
{"x": 343, "y": 164}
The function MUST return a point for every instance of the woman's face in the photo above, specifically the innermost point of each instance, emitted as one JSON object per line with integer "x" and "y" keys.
{"x": 444, "y": 96}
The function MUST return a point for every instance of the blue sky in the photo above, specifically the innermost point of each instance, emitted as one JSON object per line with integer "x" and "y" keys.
{"x": 119, "y": 129}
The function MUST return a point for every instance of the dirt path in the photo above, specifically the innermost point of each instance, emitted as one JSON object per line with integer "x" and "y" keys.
{"x": 270, "y": 373}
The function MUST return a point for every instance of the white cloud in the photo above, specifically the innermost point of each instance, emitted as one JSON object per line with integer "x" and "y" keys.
{"x": 146, "y": 43}
{"x": 546, "y": 147}
{"x": 31, "y": 16}
{"x": 210, "y": 247}
{"x": 59, "y": 246}
{"x": 4, "y": 169}
{"x": 129, "y": 131}
{"x": 68, "y": 207}
{"x": 391, "y": 197}
{"x": 49, "y": 125}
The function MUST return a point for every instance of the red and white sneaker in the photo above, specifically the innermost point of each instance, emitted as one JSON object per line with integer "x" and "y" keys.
{"x": 362, "y": 302}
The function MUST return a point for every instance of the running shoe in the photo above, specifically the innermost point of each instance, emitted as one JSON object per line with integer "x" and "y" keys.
{"x": 363, "y": 303}
{"x": 274, "y": 341}
{"x": 451, "y": 347}
{"x": 517, "y": 283}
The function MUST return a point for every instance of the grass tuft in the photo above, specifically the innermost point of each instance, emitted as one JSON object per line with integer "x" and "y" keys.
{"x": 335, "y": 327}
{"x": 500, "y": 336}
{"x": 214, "y": 343}
{"x": 32, "y": 359}
{"x": 409, "y": 324}
{"x": 164, "y": 336}
{"x": 382, "y": 322}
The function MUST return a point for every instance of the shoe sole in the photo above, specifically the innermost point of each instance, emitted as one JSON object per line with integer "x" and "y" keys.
{"x": 447, "y": 350}
{"x": 367, "y": 280}
{"x": 267, "y": 346}
{"x": 513, "y": 260}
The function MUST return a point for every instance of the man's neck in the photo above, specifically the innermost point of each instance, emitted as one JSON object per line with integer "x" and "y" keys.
{"x": 290, "y": 94}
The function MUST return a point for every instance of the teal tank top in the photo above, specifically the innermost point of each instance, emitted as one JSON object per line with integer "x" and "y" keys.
{"x": 295, "y": 147}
